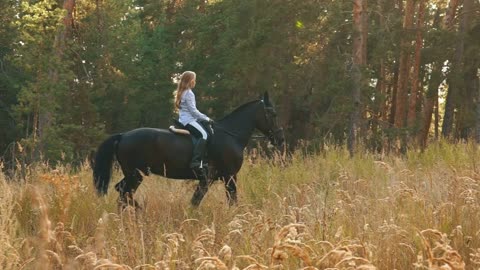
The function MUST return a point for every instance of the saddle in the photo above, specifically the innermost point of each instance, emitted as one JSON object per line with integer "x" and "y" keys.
{"x": 178, "y": 128}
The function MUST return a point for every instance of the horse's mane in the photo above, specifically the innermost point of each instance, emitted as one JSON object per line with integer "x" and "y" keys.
{"x": 240, "y": 108}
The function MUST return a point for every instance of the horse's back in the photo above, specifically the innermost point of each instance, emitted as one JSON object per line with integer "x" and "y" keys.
{"x": 154, "y": 149}
{"x": 151, "y": 135}
{"x": 145, "y": 132}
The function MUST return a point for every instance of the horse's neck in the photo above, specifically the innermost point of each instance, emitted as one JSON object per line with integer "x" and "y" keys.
{"x": 240, "y": 124}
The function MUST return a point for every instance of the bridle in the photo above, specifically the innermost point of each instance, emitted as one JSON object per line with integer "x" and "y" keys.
{"x": 270, "y": 115}
{"x": 271, "y": 134}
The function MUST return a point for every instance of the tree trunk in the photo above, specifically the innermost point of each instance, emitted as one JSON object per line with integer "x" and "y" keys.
{"x": 453, "y": 81}
{"x": 359, "y": 60}
{"x": 170, "y": 12}
{"x": 467, "y": 93}
{"x": 394, "y": 86}
{"x": 475, "y": 84}
{"x": 437, "y": 120}
{"x": 430, "y": 108}
{"x": 414, "y": 95}
{"x": 44, "y": 120}
{"x": 402, "y": 90}
{"x": 450, "y": 15}
{"x": 201, "y": 5}
{"x": 401, "y": 102}
{"x": 430, "y": 101}
{"x": 382, "y": 78}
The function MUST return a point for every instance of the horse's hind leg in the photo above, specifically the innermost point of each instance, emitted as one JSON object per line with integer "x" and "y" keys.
{"x": 127, "y": 186}
{"x": 231, "y": 188}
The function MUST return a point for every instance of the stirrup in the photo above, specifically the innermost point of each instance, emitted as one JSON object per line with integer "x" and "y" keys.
{"x": 201, "y": 166}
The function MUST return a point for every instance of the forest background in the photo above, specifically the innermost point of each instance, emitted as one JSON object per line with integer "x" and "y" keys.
{"x": 378, "y": 78}
{"x": 381, "y": 75}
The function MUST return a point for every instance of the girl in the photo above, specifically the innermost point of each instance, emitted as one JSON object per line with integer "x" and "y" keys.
{"x": 190, "y": 117}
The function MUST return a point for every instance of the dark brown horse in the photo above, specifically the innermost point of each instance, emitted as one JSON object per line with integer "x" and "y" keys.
{"x": 162, "y": 152}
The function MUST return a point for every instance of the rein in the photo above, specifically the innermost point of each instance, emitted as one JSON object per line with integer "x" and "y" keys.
{"x": 225, "y": 130}
{"x": 269, "y": 136}
{"x": 269, "y": 112}
{"x": 233, "y": 134}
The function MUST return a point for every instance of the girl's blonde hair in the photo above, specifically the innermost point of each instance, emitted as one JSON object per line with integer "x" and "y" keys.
{"x": 183, "y": 84}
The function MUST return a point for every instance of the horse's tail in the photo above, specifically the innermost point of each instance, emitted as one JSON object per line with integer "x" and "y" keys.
{"x": 102, "y": 167}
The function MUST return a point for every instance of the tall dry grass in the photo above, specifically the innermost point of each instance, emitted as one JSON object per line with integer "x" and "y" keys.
{"x": 326, "y": 211}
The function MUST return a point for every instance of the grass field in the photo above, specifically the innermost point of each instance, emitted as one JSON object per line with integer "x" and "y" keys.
{"x": 325, "y": 211}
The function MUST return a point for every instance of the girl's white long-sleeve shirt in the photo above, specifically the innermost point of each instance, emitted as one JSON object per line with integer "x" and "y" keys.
{"x": 188, "y": 111}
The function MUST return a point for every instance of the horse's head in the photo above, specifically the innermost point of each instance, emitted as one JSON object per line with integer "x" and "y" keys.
{"x": 266, "y": 122}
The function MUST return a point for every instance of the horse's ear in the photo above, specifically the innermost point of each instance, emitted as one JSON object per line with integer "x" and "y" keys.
{"x": 266, "y": 99}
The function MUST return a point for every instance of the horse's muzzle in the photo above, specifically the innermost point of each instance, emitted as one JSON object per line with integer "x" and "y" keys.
{"x": 277, "y": 137}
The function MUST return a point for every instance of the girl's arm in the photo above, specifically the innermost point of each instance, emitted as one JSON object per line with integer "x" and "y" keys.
{"x": 191, "y": 107}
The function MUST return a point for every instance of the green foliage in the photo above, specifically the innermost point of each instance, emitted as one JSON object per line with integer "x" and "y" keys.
{"x": 113, "y": 68}
{"x": 10, "y": 77}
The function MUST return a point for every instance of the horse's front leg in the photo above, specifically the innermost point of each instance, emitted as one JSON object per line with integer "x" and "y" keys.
{"x": 231, "y": 189}
{"x": 200, "y": 191}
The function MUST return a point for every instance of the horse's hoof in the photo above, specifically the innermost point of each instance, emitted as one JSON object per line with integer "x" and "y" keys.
{"x": 195, "y": 203}
{"x": 137, "y": 206}
{"x": 122, "y": 204}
